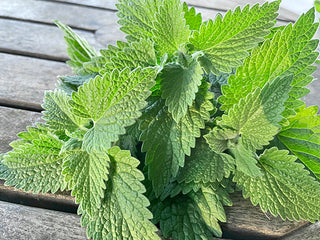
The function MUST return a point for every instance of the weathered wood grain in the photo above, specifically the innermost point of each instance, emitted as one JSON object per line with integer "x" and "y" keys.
{"x": 106, "y": 4}
{"x": 36, "y": 40}
{"x": 21, "y": 222}
{"x": 42, "y": 11}
{"x": 246, "y": 221}
{"x": 24, "y": 79}
{"x": 311, "y": 232}
{"x": 13, "y": 121}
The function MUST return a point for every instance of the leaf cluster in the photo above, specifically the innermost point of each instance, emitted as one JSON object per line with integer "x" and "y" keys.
{"x": 159, "y": 130}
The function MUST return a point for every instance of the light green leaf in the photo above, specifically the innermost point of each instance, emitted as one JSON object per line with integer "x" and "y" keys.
{"x": 291, "y": 51}
{"x": 180, "y": 218}
{"x": 205, "y": 165}
{"x": 180, "y": 82}
{"x": 123, "y": 214}
{"x": 169, "y": 28}
{"x": 78, "y": 49}
{"x": 35, "y": 166}
{"x": 136, "y": 17}
{"x": 167, "y": 142}
{"x": 193, "y": 20}
{"x": 136, "y": 54}
{"x": 256, "y": 118}
{"x": 112, "y": 102}
{"x": 57, "y": 113}
{"x": 225, "y": 41}
{"x": 302, "y": 137}
{"x": 285, "y": 187}
{"x": 245, "y": 160}
{"x": 85, "y": 174}
{"x": 70, "y": 84}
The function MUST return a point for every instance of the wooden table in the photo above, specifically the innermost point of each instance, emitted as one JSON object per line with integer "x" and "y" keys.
{"x": 32, "y": 54}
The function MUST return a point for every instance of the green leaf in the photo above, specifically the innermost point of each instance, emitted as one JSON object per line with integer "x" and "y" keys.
{"x": 136, "y": 17}
{"x": 167, "y": 142}
{"x": 302, "y": 137}
{"x": 35, "y": 166}
{"x": 256, "y": 118}
{"x": 226, "y": 41}
{"x": 285, "y": 187}
{"x": 180, "y": 218}
{"x": 210, "y": 200}
{"x": 193, "y": 20}
{"x": 180, "y": 82}
{"x": 78, "y": 49}
{"x": 123, "y": 213}
{"x": 141, "y": 53}
{"x": 86, "y": 174}
{"x": 169, "y": 28}
{"x": 291, "y": 51}
{"x": 57, "y": 113}
{"x": 70, "y": 84}
{"x": 112, "y": 102}
{"x": 205, "y": 165}
{"x": 245, "y": 160}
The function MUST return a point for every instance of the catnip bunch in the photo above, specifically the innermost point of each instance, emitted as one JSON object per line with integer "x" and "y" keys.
{"x": 158, "y": 131}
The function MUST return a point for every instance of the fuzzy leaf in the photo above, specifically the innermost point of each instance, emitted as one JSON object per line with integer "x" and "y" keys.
{"x": 78, "y": 49}
{"x": 123, "y": 214}
{"x": 226, "y": 41}
{"x": 86, "y": 174}
{"x": 136, "y": 17}
{"x": 285, "y": 187}
{"x": 291, "y": 51}
{"x": 180, "y": 82}
{"x": 167, "y": 142}
{"x": 35, "y": 166}
{"x": 256, "y": 118}
{"x": 169, "y": 28}
{"x": 193, "y": 20}
{"x": 112, "y": 102}
{"x": 302, "y": 137}
{"x": 205, "y": 165}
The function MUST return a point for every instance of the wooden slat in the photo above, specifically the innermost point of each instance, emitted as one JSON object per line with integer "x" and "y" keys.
{"x": 37, "y": 40}
{"x": 45, "y": 12}
{"x": 311, "y": 232}
{"x": 106, "y": 4}
{"x": 22, "y": 222}
{"x": 248, "y": 221}
{"x": 313, "y": 97}
{"x": 23, "y": 80}
{"x": 13, "y": 121}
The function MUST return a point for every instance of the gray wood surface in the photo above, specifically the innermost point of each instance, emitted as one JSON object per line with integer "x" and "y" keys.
{"x": 13, "y": 121}
{"x": 23, "y": 80}
{"x": 37, "y": 40}
{"x": 28, "y": 223}
{"x": 311, "y": 232}
{"x": 42, "y": 11}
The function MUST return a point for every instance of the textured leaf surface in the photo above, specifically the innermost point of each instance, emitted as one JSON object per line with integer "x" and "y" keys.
{"x": 36, "y": 166}
{"x": 57, "y": 112}
{"x": 136, "y": 17}
{"x": 225, "y": 41}
{"x": 112, "y": 102}
{"x": 70, "y": 84}
{"x": 205, "y": 165}
{"x": 180, "y": 82}
{"x": 193, "y": 20}
{"x": 123, "y": 214}
{"x": 210, "y": 201}
{"x": 285, "y": 187}
{"x": 86, "y": 174}
{"x": 291, "y": 51}
{"x": 78, "y": 49}
{"x": 302, "y": 137}
{"x": 167, "y": 142}
{"x": 180, "y": 218}
{"x": 169, "y": 28}
{"x": 257, "y": 116}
